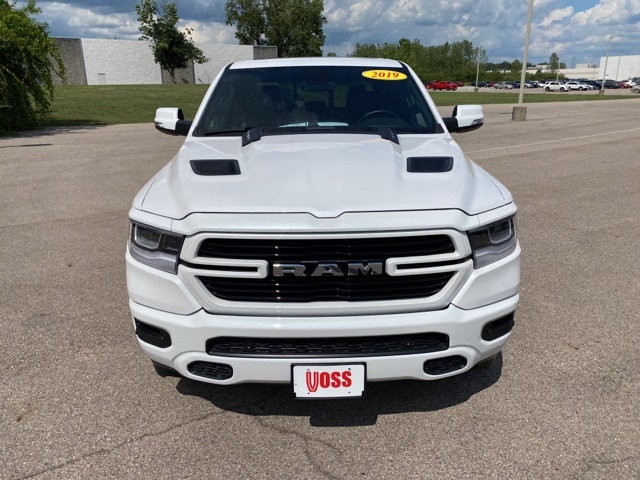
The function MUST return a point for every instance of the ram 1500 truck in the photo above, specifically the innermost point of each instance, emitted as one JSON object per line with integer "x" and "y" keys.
{"x": 320, "y": 227}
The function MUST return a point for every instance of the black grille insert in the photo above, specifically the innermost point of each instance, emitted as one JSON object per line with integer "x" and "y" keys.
{"x": 440, "y": 366}
{"x": 326, "y": 250}
{"x": 328, "y": 347}
{"x": 214, "y": 371}
{"x": 317, "y": 289}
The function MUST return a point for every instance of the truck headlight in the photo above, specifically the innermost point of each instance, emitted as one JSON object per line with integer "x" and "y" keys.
{"x": 493, "y": 242}
{"x": 156, "y": 248}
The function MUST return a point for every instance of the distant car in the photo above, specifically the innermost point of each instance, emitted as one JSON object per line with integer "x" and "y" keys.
{"x": 575, "y": 85}
{"x": 503, "y": 86}
{"x": 611, "y": 84}
{"x": 443, "y": 85}
{"x": 480, "y": 84}
{"x": 554, "y": 86}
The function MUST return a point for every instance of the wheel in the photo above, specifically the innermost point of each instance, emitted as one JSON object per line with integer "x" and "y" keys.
{"x": 562, "y": 89}
{"x": 164, "y": 371}
{"x": 374, "y": 113}
{"x": 487, "y": 363}
{"x": 448, "y": 88}
{"x": 580, "y": 88}
{"x": 547, "y": 89}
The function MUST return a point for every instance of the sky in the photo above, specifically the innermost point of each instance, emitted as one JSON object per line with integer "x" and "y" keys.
{"x": 579, "y": 31}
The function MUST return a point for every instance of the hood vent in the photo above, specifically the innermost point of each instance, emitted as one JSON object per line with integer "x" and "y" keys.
{"x": 429, "y": 164}
{"x": 215, "y": 167}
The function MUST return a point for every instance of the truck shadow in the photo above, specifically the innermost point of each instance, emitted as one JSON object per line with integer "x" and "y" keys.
{"x": 381, "y": 398}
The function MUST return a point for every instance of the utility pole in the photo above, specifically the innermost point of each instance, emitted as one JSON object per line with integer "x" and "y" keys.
{"x": 520, "y": 112}
{"x": 606, "y": 60}
{"x": 477, "y": 71}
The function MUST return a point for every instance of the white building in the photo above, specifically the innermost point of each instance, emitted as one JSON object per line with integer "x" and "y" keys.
{"x": 619, "y": 67}
{"x": 100, "y": 61}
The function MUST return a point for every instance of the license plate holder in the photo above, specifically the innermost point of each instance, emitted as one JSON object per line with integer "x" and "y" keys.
{"x": 328, "y": 380}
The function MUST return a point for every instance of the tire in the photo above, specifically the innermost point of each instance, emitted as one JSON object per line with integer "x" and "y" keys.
{"x": 562, "y": 89}
{"x": 547, "y": 89}
{"x": 580, "y": 88}
{"x": 487, "y": 363}
{"x": 164, "y": 371}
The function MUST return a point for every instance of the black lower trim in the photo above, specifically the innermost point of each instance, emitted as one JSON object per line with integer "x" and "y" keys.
{"x": 336, "y": 347}
{"x": 441, "y": 366}
{"x": 498, "y": 328}
{"x": 152, "y": 335}
{"x": 214, "y": 371}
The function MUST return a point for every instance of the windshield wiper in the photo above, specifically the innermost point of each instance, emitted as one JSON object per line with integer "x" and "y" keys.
{"x": 230, "y": 131}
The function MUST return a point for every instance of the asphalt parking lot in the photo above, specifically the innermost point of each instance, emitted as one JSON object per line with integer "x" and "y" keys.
{"x": 78, "y": 399}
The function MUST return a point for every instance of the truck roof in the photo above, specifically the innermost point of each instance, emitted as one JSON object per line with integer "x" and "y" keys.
{"x": 317, "y": 61}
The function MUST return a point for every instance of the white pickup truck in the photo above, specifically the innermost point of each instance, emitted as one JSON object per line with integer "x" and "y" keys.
{"x": 320, "y": 227}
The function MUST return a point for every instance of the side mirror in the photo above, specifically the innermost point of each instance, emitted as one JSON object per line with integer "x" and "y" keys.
{"x": 171, "y": 121}
{"x": 465, "y": 118}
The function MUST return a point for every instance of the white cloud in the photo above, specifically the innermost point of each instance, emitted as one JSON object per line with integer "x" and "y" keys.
{"x": 205, "y": 32}
{"x": 88, "y": 23}
{"x": 556, "y": 16}
{"x": 608, "y": 12}
{"x": 496, "y": 25}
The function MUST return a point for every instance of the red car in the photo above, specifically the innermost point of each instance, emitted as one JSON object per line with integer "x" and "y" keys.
{"x": 442, "y": 85}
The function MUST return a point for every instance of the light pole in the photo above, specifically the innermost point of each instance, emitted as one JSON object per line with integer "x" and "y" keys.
{"x": 477, "y": 71}
{"x": 558, "y": 71}
{"x": 606, "y": 60}
{"x": 520, "y": 112}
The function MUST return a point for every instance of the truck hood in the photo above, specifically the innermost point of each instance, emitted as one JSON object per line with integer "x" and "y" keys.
{"x": 324, "y": 175}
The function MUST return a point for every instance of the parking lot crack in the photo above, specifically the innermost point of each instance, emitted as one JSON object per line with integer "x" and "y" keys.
{"x": 308, "y": 441}
{"x": 103, "y": 451}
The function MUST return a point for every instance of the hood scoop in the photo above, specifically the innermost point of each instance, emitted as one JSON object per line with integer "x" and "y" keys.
{"x": 215, "y": 167}
{"x": 429, "y": 164}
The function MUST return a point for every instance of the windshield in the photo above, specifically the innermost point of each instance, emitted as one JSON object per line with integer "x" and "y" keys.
{"x": 328, "y": 97}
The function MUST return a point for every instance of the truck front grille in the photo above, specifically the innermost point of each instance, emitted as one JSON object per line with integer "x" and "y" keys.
{"x": 328, "y": 347}
{"x": 326, "y": 289}
{"x": 311, "y": 252}
{"x": 330, "y": 249}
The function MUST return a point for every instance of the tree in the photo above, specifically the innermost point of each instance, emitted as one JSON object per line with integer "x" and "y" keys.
{"x": 454, "y": 61}
{"x": 554, "y": 62}
{"x": 172, "y": 49}
{"x": 248, "y": 16}
{"x": 294, "y": 26}
{"x": 29, "y": 59}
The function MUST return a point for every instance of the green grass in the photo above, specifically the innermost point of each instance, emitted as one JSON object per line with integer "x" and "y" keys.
{"x": 444, "y": 99}
{"x": 117, "y": 104}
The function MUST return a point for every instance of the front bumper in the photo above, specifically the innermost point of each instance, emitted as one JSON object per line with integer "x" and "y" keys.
{"x": 189, "y": 334}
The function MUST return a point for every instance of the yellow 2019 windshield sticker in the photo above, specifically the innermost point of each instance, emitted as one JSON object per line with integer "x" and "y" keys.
{"x": 384, "y": 75}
